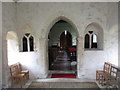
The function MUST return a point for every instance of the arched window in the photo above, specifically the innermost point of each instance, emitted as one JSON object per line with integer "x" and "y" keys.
{"x": 90, "y": 40}
{"x": 25, "y": 47}
{"x": 28, "y": 42}
{"x": 31, "y": 42}
{"x": 87, "y": 38}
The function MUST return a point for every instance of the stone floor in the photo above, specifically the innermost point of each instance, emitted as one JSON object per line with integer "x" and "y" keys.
{"x": 63, "y": 85}
{"x": 63, "y": 80}
{"x": 63, "y": 62}
{"x": 58, "y": 80}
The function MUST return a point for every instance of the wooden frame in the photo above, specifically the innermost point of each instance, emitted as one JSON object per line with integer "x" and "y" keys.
{"x": 26, "y": 72}
{"x": 101, "y": 73}
{"x": 15, "y": 75}
{"x": 114, "y": 78}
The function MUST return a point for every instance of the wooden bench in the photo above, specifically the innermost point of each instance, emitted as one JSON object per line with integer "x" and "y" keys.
{"x": 16, "y": 74}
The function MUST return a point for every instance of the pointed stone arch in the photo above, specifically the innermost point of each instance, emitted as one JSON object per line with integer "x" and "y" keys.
{"x": 51, "y": 22}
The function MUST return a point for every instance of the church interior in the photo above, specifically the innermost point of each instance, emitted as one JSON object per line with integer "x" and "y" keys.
{"x": 59, "y": 45}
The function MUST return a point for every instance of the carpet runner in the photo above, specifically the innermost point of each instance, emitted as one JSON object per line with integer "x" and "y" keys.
{"x": 63, "y": 76}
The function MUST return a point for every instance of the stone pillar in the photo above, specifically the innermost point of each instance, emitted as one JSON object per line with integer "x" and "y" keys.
{"x": 5, "y": 73}
{"x": 80, "y": 51}
{"x": 44, "y": 55}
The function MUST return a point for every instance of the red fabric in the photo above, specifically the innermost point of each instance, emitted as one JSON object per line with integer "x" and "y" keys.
{"x": 63, "y": 76}
{"x": 72, "y": 49}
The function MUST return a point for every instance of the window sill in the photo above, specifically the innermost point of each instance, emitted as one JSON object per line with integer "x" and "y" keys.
{"x": 28, "y": 52}
{"x": 93, "y": 49}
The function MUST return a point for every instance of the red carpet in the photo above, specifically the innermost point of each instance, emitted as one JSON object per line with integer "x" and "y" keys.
{"x": 63, "y": 76}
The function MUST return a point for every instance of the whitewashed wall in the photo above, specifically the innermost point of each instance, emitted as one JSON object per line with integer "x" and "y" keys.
{"x": 37, "y": 18}
{"x": 8, "y": 24}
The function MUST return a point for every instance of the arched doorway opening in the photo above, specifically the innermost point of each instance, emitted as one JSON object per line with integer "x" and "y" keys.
{"x": 12, "y": 47}
{"x": 62, "y": 47}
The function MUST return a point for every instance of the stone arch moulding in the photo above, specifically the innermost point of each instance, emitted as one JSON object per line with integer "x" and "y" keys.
{"x": 55, "y": 19}
{"x": 5, "y": 56}
{"x": 12, "y": 33}
{"x": 97, "y": 22}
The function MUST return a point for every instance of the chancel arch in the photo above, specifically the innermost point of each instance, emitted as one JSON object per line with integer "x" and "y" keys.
{"x": 56, "y": 45}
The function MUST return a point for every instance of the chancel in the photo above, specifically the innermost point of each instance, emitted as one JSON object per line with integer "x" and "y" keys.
{"x": 60, "y": 45}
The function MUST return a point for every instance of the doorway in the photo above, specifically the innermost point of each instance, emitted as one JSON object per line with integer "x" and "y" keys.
{"x": 62, "y": 47}
{"x": 65, "y": 40}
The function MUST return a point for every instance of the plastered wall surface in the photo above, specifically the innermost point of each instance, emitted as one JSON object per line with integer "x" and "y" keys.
{"x": 119, "y": 33}
{"x": 1, "y": 44}
{"x": 38, "y": 18}
{"x": 8, "y": 24}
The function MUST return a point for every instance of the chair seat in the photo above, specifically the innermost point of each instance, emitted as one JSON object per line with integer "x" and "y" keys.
{"x": 103, "y": 73}
{"x": 100, "y": 71}
{"x": 24, "y": 71}
{"x": 19, "y": 75}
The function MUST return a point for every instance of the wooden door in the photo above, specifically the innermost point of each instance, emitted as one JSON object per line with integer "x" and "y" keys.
{"x": 65, "y": 41}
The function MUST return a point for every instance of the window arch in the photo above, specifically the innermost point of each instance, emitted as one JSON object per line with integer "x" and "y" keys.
{"x": 28, "y": 42}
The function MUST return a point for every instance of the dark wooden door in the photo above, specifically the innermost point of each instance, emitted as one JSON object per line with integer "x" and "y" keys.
{"x": 65, "y": 41}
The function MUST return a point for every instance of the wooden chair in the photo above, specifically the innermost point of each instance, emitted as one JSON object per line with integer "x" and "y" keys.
{"x": 16, "y": 76}
{"x": 101, "y": 73}
{"x": 113, "y": 79}
{"x": 26, "y": 72}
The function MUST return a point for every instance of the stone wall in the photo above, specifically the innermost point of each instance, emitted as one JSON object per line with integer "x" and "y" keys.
{"x": 38, "y": 18}
{"x": 8, "y": 24}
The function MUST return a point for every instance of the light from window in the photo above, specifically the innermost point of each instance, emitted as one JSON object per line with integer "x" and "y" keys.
{"x": 65, "y": 32}
{"x": 94, "y": 41}
{"x": 94, "y": 38}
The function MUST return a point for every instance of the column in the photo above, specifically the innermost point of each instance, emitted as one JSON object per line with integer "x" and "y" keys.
{"x": 43, "y": 49}
{"x": 80, "y": 51}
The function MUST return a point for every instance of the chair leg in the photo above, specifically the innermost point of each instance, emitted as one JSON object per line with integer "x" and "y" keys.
{"x": 20, "y": 80}
{"x": 11, "y": 83}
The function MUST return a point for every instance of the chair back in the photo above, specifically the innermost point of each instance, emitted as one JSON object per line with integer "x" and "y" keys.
{"x": 13, "y": 70}
{"x": 19, "y": 67}
{"x": 107, "y": 67}
{"x": 114, "y": 71}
